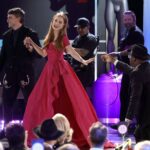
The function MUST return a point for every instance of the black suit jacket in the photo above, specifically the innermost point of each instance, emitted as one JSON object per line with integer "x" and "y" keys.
{"x": 139, "y": 105}
{"x": 15, "y": 59}
{"x": 134, "y": 36}
{"x": 18, "y": 52}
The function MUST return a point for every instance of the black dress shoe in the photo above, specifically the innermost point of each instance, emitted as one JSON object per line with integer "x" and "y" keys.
{"x": 114, "y": 126}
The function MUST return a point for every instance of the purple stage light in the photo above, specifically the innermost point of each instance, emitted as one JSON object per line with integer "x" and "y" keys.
{"x": 16, "y": 121}
{"x": 1, "y": 125}
{"x": 106, "y": 96}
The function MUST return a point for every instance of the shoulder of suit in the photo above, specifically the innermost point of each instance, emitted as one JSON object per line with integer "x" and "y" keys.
{"x": 91, "y": 35}
{"x": 7, "y": 32}
{"x": 137, "y": 29}
{"x": 26, "y": 29}
{"x": 29, "y": 29}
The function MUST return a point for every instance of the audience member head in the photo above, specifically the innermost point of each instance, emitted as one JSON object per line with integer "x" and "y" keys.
{"x": 144, "y": 145}
{"x": 15, "y": 134}
{"x": 138, "y": 54}
{"x": 48, "y": 131}
{"x": 97, "y": 134}
{"x": 63, "y": 124}
{"x": 68, "y": 146}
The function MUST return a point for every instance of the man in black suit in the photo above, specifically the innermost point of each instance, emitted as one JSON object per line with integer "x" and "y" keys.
{"x": 16, "y": 60}
{"x": 133, "y": 36}
{"x": 139, "y": 104}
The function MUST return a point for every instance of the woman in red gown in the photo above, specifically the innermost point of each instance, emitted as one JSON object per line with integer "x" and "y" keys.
{"x": 58, "y": 89}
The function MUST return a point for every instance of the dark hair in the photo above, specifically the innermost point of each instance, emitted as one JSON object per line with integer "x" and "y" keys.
{"x": 98, "y": 134}
{"x": 139, "y": 51}
{"x": 15, "y": 133}
{"x": 18, "y": 12}
{"x": 131, "y": 13}
{"x": 82, "y": 22}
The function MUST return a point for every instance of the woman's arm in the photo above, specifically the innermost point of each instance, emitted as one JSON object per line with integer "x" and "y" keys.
{"x": 70, "y": 50}
{"x": 29, "y": 43}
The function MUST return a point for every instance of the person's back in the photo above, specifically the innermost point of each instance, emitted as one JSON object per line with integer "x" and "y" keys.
{"x": 97, "y": 135}
{"x": 15, "y": 134}
{"x": 68, "y": 147}
{"x": 144, "y": 145}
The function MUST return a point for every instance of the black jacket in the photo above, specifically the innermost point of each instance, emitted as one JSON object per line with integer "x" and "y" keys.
{"x": 15, "y": 59}
{"x": 139, "y": 105}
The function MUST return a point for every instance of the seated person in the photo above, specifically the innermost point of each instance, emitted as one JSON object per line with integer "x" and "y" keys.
{"x": 63, "y": 124}
{"x": 68, "y": 146}
{"x": 49, "y": 132}
{"x": 16, "y": 136}
{"x": 97, "y": 135}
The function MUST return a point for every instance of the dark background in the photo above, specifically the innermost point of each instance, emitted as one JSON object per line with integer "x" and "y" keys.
{"x": 137, "y": 7}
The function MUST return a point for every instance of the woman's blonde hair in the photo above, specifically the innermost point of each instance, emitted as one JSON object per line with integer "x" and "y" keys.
{"x": 50, "y": 35}
{"x": 63, "y": 124}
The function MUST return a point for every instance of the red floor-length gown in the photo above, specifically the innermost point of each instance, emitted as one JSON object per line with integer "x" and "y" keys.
{"x": 58, "y": 90}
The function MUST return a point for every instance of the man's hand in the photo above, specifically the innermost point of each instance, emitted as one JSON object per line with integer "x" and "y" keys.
{"x": 30, "y": 48}
{"x": 108, "y": 58}
{"x": 27, "y": 42}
